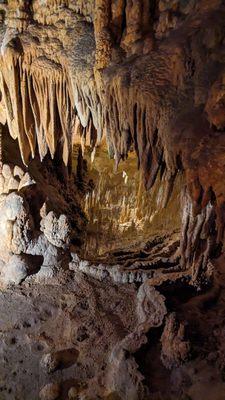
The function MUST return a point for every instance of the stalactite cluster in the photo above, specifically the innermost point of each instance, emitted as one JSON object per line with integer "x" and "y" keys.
{"x": 79, "y": 71}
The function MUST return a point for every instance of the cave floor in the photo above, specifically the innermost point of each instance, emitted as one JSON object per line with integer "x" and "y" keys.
{"x": 74, "y": 319}
{"x": 79, "y": 320}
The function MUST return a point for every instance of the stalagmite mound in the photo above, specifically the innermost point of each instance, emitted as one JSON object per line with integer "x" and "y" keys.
{"x": 112, "y": 199}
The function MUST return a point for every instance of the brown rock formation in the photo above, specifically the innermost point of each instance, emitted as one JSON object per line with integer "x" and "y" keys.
{"x": 175, "y": 350}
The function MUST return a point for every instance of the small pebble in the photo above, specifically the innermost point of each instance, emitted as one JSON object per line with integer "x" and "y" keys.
{"x": 50, "y": 362}
{"x": 73, "y": 393}
{"x": 50, "y": 392}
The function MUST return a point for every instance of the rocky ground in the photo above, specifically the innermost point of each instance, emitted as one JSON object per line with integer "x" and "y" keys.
{"x": 61, "y": 340}
{"x": 60, "y": 334}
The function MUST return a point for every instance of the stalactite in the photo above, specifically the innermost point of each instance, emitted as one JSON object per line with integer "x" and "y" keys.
{"x": 198, "y": 239}
{"x": 38, "y": 109}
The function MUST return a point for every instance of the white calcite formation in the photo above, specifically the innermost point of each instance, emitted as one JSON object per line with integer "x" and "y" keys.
{"x": 14, "y": 178}
{"x": 56, "y": 230}
{"x": 14, "y": 271}
{"x": 19, "y": 236}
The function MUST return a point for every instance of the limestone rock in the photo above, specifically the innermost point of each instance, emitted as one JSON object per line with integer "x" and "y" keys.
{"x": 73, "y": 393}
{"x": 2, "y": 264}
{"x": 40, "y": 246}
{"x": 175, "y": 347}
{"x": 46, "y": 274}
{"x": 15, "y": 224}
{"x": 151, "y": 307}
{"x": 2, "y": 183}
{"x": 56, "y": 230}
{"x": 26, "y": 180}
{"x": 15, "y": 271}
{"x": 50, "y": 362}
{"x": 6, "y": 171}
{"x": 50, "y": 392}
{"x": 13, "y": 184}
{"x": 7, "y": 179}
{"x": 18, "y": 172}
{"x": 122, "y": 373}
{"x": 6, "y": 187}
{"x": 215, "y": 106}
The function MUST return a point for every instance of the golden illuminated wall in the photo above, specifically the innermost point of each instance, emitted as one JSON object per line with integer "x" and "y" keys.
{"x": 120, "y": 212}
